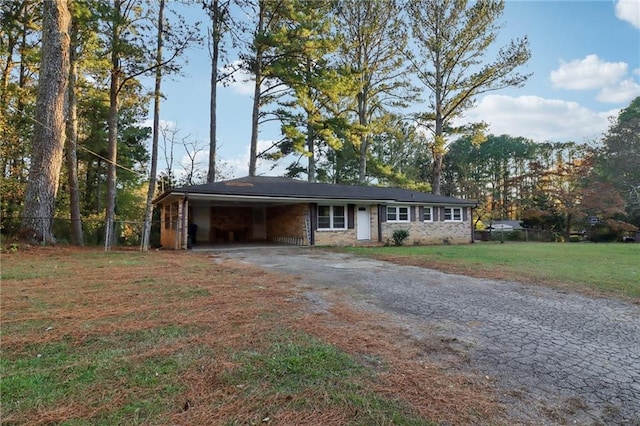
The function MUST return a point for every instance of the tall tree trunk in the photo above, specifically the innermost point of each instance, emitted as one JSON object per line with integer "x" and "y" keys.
{"x": 215, "y": 53}
{"x": 112, "y": 150}
{"x": 146, "y": 234}
{"x": 72, "y": 142}
{"x": 311, "y": 134}
{"x": 311, "y": 169}
{"x": 49, "y": 131}
{"x": 505, "y": 189}
{"x": 257, "y": 73}
{"x": 438, "y": 140}
{"x": 363, "y": 114}
{"x": 255, "y": 115}
{"x": 436, "y": 172}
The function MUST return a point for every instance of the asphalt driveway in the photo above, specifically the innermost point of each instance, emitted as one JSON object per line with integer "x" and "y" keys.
{"x": 561, "y": 357}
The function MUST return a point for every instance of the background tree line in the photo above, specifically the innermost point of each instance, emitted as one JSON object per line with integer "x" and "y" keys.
{"x": 559, "y": 186}
{"x": 365, "y": 92}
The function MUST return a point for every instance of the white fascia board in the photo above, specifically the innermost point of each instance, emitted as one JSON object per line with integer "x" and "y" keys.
{"x": 294, "y": 199}
{"x": 267, "y": 198}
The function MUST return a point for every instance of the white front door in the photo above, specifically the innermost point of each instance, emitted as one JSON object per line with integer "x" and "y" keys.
{"x": 363, "y": 223}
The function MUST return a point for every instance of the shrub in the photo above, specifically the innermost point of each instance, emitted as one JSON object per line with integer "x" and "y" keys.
{"x": 575, "y": 238}
{"x": 399, "y": 236}
{"x": 515, "y": 236}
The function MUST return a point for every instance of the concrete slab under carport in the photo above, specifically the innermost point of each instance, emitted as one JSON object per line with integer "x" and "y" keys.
{"x": 244, "y": 246}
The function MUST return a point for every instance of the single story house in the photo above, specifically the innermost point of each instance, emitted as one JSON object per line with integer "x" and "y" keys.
{"x": 283, "y": 210}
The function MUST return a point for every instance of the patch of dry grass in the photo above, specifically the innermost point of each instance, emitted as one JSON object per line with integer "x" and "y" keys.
{"x": 155, "y": 338}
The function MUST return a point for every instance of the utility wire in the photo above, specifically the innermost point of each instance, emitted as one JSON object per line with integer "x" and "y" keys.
{"x": 80, "y": 146}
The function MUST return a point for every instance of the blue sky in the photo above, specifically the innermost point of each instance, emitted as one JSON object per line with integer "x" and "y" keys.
{"x": 585, "y": 60}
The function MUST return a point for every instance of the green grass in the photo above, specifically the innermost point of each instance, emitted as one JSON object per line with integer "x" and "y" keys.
{"x": 298, "y": 364}
{"x": 294, "y": 363}
{"x": 56, "y": 266}
{"x": 93, "y": 338}
{"x": 41, "y": 375}
{"x": 610, "y": 268}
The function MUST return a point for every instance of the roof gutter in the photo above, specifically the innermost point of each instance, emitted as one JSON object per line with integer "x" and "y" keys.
{"x": 294, "y": 199}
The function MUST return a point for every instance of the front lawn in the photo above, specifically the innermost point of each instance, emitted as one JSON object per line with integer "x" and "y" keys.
{"x": 116, "y": 338}
{"x": 612, "y": 269}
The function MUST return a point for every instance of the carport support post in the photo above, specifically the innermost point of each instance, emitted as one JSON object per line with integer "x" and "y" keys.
{"x": 183, "y": 209}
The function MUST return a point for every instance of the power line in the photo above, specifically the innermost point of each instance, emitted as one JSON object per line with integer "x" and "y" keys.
{"x": 79, "y": 146}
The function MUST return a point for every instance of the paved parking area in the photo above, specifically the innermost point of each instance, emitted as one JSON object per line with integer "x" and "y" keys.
{"x": 561, "y": 357}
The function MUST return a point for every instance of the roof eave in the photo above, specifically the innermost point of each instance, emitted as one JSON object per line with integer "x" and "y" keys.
{"x": 303, "y": 199}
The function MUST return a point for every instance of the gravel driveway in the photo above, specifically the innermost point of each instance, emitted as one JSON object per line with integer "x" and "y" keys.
{"x": 560, "y": 357}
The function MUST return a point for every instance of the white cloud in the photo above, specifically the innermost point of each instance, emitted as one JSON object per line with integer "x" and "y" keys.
{"x": 200, "y": 161}
{"x": 588, "y": 73}
{"x": 623, "y": 92}
{"x": 594, "y": 73}
{"x": 164, "y": 124}
{"x": 240, "y": 80}
{"x": 629, "y": 11}
{"x": 239, "y": 166}
{"x": 540, "y": 119}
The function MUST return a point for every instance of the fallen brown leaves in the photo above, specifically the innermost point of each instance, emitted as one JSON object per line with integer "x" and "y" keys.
{"x": 416, "y": 373}
{"x": 92, "y": 296}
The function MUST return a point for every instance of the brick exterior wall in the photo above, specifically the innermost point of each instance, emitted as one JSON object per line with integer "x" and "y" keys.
{"x": 345, "y": 237}
{"x": 349, "y": 237}
{"x": 420, "y": 233}
{"x": 287, "y": 223}
{"x": 230, "y": 224}
{"x": 425, "y": 233}
{"x": 436, "y": 232}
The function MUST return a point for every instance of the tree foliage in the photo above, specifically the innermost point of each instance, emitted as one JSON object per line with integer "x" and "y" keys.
{"x": 302, "y": 42}
{"x": 451, "y": 39}
{"x": 334, "y": 74}
{"x": 619, "y": 158}
{"x": 20, "y": 39}
{"x": 374, "y": 38}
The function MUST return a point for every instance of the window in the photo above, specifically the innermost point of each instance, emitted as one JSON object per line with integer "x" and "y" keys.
{"x": 397, "y": 214}
{"x": 427, "y": 216}
{"x": 332, "y": 217}
{"x": 453, "y": 214}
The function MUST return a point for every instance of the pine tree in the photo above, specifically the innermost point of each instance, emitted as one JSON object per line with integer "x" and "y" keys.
{"x": 49, "y": 134}
{"x": 451, "y": 39}
{"x": 303, "y": 43}
{"x": 374, "y": 39}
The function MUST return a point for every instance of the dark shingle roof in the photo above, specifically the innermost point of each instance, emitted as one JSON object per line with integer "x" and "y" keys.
{"x": 263, "y": 186}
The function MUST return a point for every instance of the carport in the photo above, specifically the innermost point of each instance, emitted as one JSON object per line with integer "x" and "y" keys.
{"x": 210, "y": 221}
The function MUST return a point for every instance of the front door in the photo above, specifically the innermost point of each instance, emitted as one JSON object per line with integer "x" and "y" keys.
{"x": 363, "y": 223}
